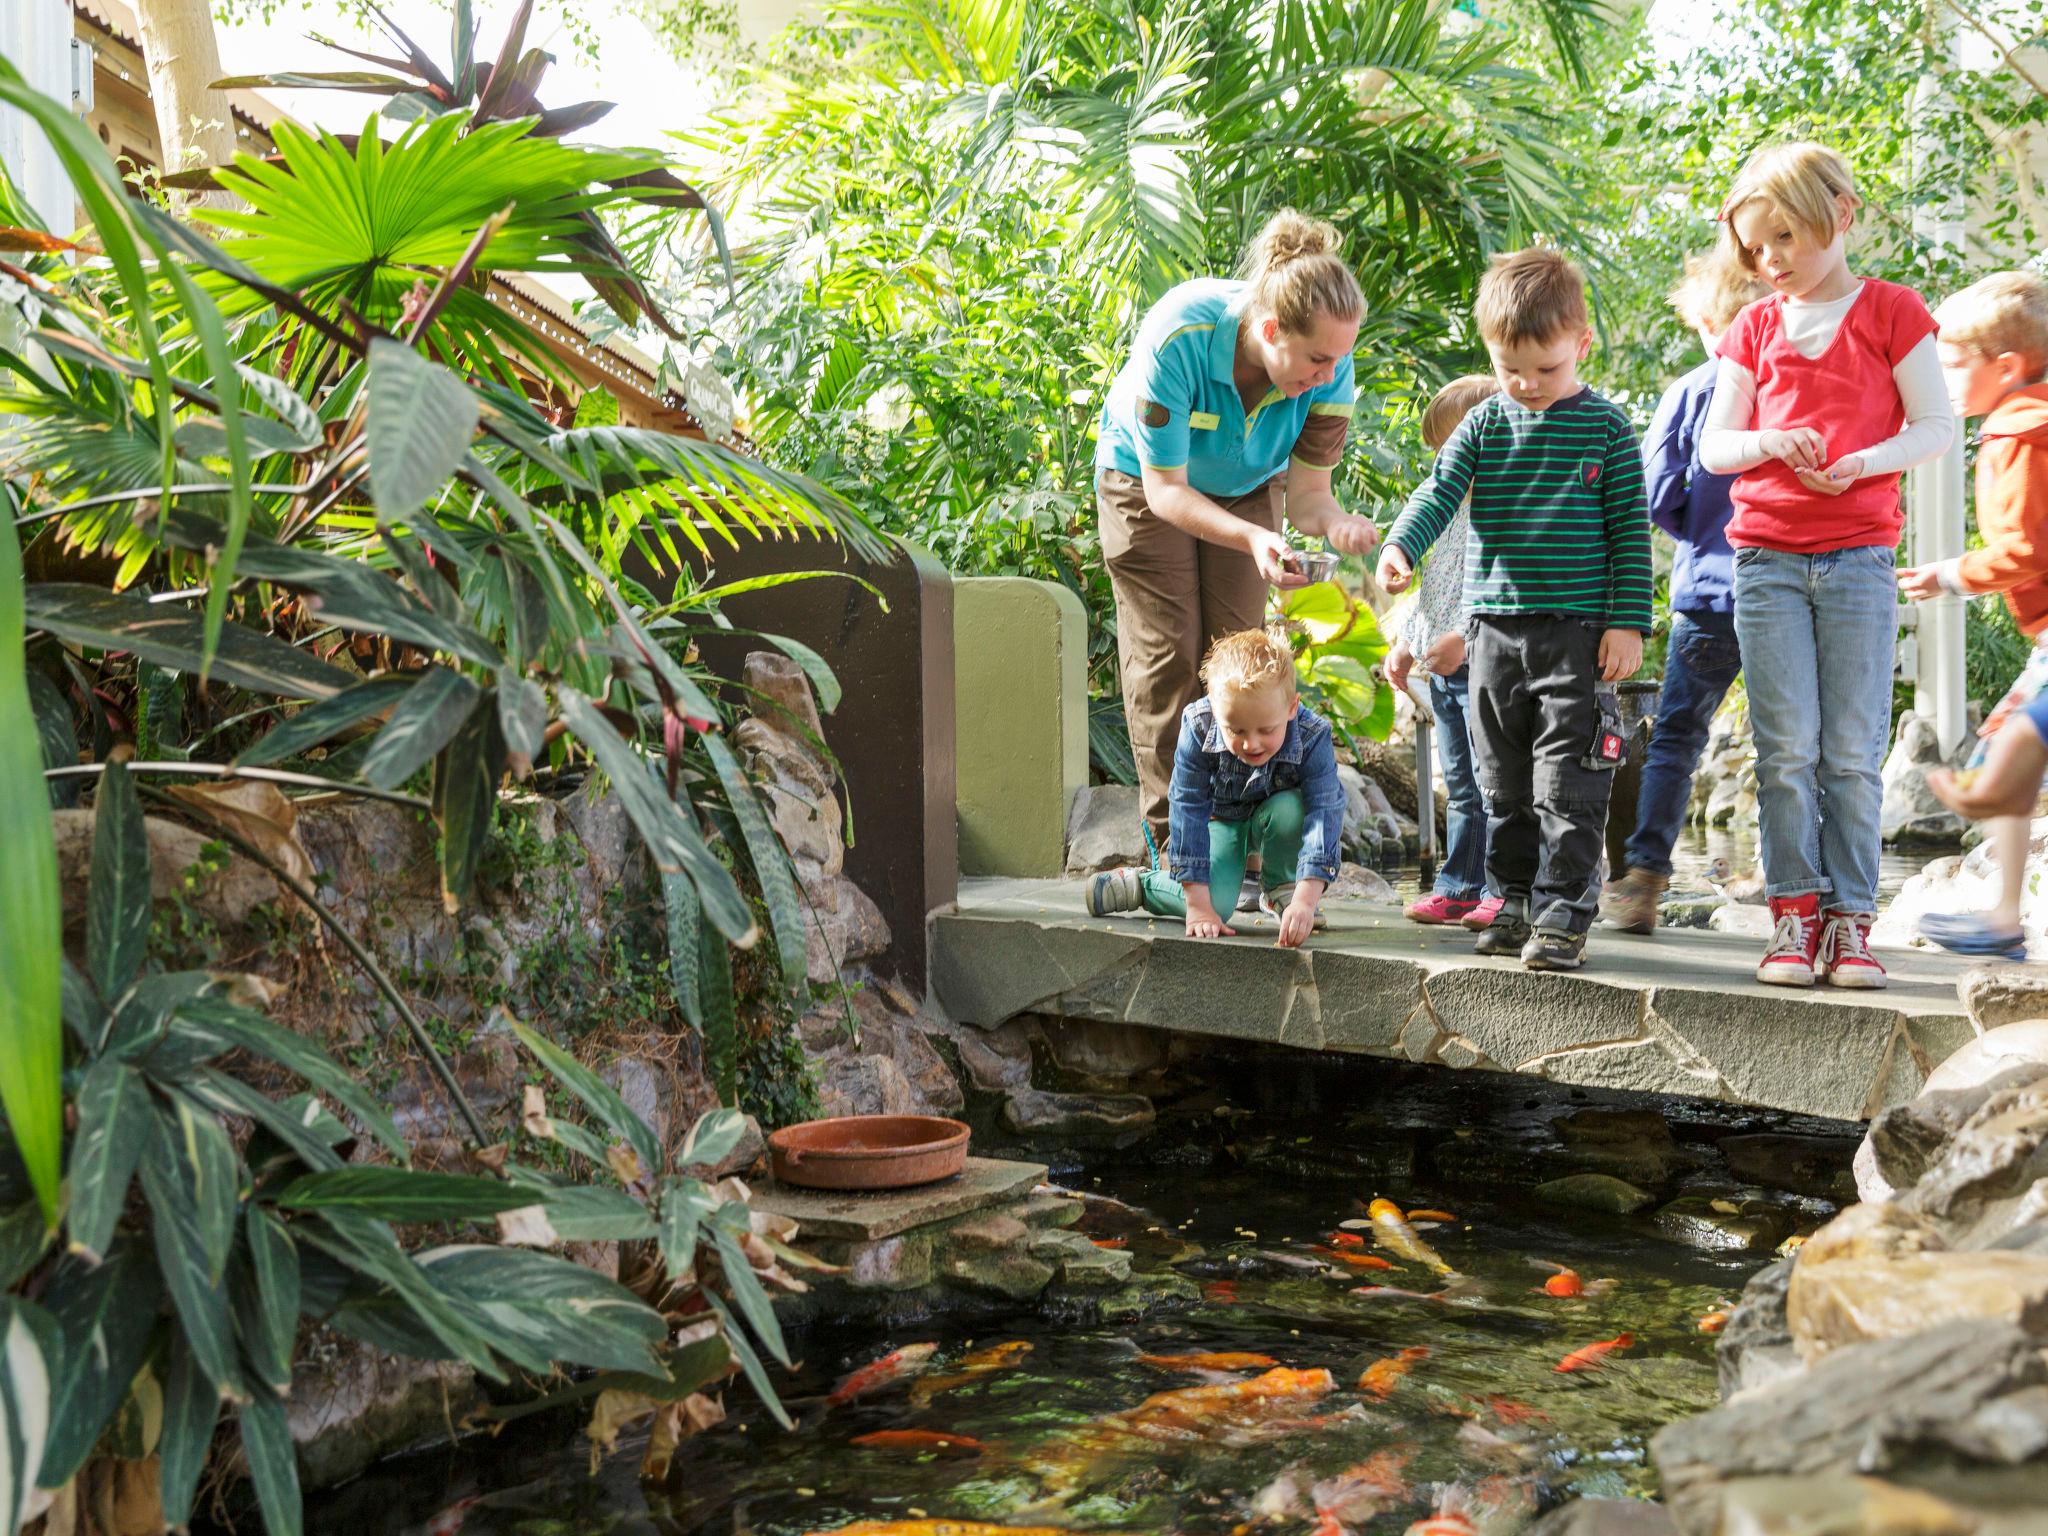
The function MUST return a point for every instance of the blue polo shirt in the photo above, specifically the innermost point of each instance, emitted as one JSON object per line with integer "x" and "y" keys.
{"x": 1176, "y": 404}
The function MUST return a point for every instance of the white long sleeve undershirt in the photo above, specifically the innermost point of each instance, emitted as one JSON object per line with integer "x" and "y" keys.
{"x": 1728, "y": 447}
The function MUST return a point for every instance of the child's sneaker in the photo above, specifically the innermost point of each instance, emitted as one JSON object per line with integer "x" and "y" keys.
{"x": 1507, "y": 933}
{"x": 1274, "y": 902}
{"x": 1553, "y": 949}
{"x": 1115, "y": 890}
{"x": 1845, "y": 958}
{"x": 1795, "y": 942}
{"x": 1436, "y": 909}
{"x": 1249, "y": 894}
{"x": 1972, "y": 933}
{"x": 1631, "y": 902}
{"x": 1481, "y": 917}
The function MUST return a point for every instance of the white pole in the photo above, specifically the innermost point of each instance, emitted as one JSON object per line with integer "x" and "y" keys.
{"x": 1934, "y": 492}
{"x": 35, "y": 35}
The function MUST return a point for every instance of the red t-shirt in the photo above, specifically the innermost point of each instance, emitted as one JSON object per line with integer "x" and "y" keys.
{"x": 1848, "y": 395}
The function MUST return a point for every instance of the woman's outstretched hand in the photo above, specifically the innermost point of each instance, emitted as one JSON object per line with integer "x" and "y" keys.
{"x": 1269, "y": 551}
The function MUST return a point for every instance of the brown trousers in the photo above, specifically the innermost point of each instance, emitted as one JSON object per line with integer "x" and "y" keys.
{"x": 1175, "y": 596}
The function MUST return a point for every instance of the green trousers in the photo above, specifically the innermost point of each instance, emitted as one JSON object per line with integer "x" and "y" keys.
{"x": 1273, "y": 830}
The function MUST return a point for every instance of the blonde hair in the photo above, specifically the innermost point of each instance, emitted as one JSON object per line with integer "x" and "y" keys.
{"x": 1296, "y": 275}
{"x": 1713, "y": 291}
{"x": 1248, "y": 661}
{"x": 2005, "y": 312}
{"x": 1533, "y": 296}
{"x": 1451, "y": 404}
{"x": 1803, "y": 181}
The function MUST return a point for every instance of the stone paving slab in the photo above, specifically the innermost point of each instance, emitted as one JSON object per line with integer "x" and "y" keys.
{"x": 1679, "y": 1011}
{"x": 985, "y": 1181}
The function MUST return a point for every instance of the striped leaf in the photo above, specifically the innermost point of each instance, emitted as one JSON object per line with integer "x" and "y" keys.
{"x": 273, "y": 1464}
{"x": 371, "y": 1249}
{"x": 191, "y": 1409}
{"x": 30, "y": 1359}
{"x": 750, "y": 1363}
{"x": 183, "y": 1255}
{"x": 317, "y": 722}
{"x": 172, "y": 637}
{"x": 557, "y": 1309}
{"x": 294, "y": 1052}
{"x": 582, "y": 1214}
{"x": 712, "y": 1138}
{"x": 401, "y": 1194}
{"x": 105, "y": 1313}
{"x": 721, "y": 1016}
{"x": 117, "y": 909}
{"x": 597, "y": 1094}
{"x": 424, "y": 722}
{"x": 747, "y": 1292}
{"x": 419, "y": 421}
{"x": 113, "y": 1128}
{"x": 466, "y": 775}
{"x": 269, "y": 1324}
{"x": 771, "y": 868}
{"x": 685, "y": 914}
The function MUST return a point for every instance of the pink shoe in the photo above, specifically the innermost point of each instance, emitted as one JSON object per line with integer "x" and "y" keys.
{"x": 1436, "y": 909}
{"x": 1481, "y": 917}
{"x": 1845, "y": 959}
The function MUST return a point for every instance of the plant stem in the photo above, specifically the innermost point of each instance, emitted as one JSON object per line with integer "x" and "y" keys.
{"x": 229, "y": 771}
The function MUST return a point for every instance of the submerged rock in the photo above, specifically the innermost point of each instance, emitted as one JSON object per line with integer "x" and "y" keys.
{"x": 1104, "y": 1052}
{"x": 1733, "y": 1223}
{"x": 1595, "y": 1192}
{"x": 1117, "y": 1118}
{"x": 1803, "y": 1165}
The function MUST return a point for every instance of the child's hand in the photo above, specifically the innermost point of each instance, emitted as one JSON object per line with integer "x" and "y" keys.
{"x": 1445, "y": 655}
{"x": 1350, "y": 534}
{"x": 1299, "y": 920}
{"x": 1835, "y": 479}
{"x": 1400, "y": 661}
{"x": 1621, "y": 652}
{"x": 1796, "y": 447}
{"x": 1395, "y": 571}
{"x": 1920, "y": 582}
{"x": 1202, "y": 921}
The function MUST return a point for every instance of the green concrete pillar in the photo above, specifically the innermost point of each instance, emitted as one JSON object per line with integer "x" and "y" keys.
{"x": 1020, "y": 691}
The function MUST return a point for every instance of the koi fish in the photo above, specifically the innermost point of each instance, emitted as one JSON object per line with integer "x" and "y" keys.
{"x": 1594, "y": 1355}
{"x": 1232, "y": 1411}
{"x": 1355, "y": 1260}
{"x": 1382, "y": 1376}
{"x": 1346, "y": 1240}
{"x": 1565, "y": 1282}
{"x": 1498, "y": 1504}
{"x": 1391, "y": 1231}
{"x": 1449, "y": 1524}
{"x": 1221, "y": 1360}
{"x": 450, "y": 1520}
{"x": 1110, "y": 1242}
{"x": 1511, "y": 1413}
{"x": 1223, "y": 1291}
{"x": 935, "y": 1441}
{"x": 893, "y": 1367}
{"x": 1460, "y": 1289}
{"x": 1443, "y": 1216}
{"x": 972, "y": 1367}
{"x": 1358, "y": 1493}
{"x": 1713, "y": 1322}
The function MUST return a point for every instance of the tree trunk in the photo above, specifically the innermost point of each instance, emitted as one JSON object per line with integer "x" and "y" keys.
{"x": 193, "y": 120}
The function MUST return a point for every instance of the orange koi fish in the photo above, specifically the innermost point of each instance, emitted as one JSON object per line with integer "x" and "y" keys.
{"x": 1221, "y": 1360}
{"x": 1713, "y": 1322}
{"x": 1346, "y": 1240}
{"x": 1565, "y": 1282}
{"x": 1355, "y": 1260}
{"x": 890, "y": 1369}
{"x": 972, "y": 1367}
{"x": 1450, "y": 1524}
{"x": 1458, "y": 1290}
{"x": 1382, "y": 1376}
{"x": 1594, "y": 1355}
{"x": 1110, "y": 1242}
{"x": 1224, "y": 1291}
{"x": 1391, "y": 1231}
{"x": 1511, "y": 1413}
{"x": 934, "y": 1441}
{"x": 1444, "y": 1216}
{"x": 1358, "y": 1493}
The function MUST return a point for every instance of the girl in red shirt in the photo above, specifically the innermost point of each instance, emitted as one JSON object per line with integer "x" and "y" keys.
{"x": 1827, "y": 390}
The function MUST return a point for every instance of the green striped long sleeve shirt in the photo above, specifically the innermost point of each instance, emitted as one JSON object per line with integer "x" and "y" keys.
{"x": 1559, "y": 519}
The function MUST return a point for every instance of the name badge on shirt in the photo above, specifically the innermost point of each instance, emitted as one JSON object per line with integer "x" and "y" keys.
{"x": 1204, "y": 421}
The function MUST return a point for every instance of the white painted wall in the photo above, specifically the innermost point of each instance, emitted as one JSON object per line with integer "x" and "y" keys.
{"x": 35, "y": 36}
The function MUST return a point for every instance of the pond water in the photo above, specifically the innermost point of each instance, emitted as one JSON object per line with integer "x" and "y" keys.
{"x": 1068, "y": 1432}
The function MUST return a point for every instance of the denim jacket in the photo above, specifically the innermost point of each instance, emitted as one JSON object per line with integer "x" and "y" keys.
{"x": 1210, "y": 784}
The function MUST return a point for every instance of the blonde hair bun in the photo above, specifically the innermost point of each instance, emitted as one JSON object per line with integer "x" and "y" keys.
{"x": 1296, "y": 275}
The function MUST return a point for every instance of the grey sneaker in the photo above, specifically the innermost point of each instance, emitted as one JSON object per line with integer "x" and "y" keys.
{"x": 1274, "y": 902}
{"x": 1507, "y": 933}
{"x": 1631, "y": 902}
{"x": 1249, "y": 894}
{"x": 1113, "y": 891}
{"x": 1552, "y": 949}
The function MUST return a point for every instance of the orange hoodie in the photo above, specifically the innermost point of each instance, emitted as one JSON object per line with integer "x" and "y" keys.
{"x": 2012, "y": 508}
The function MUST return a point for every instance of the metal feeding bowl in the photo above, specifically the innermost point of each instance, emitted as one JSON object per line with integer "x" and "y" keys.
{"x": 869, "y": 1151}
{"x": 1315, "y": 565}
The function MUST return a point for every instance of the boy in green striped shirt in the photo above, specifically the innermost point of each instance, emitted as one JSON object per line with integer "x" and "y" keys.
{"x": 1557, "y": 577}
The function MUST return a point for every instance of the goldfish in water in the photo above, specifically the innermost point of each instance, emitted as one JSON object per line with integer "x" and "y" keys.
{"x": 1565, "y": 1282}
{"x": 1443, "y": 1216}
{"x": 1219, "y": 1360}
{"x": 1358, "y": 1493}
{"x": 1355, "y": 1260}
{"x": 1224, "y": 1291}
{"x": 1594, "y": 1355}
{"x": 1110, "y": 1242}
{"x": 934, "y": 1441}
{"x": 450, "y": 1520}
{"x": 1460, "y": 1289}
{"x": 1391, "y": 1231}
{"x": 890, "y": 1369}
{"x": 982, "y": 1362}
{"x": 1447, "y": 1524}
{"x": 1511, "y": 1413}
{"x": 1498, "y": 1504}
{"x": 1382, "y": 1376}
{"x": 1346, "y": 1240}
{"x": 1713, "y": 1322}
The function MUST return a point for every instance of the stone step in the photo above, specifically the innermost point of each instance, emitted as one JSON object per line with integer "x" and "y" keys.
{"x": 1676, "y": 1012}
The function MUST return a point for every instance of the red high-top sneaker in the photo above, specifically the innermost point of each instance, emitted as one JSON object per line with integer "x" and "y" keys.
{"x": 1795, "y": 941}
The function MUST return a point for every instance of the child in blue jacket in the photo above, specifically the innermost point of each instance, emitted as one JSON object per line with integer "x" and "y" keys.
{"x": 1254, "y": 771}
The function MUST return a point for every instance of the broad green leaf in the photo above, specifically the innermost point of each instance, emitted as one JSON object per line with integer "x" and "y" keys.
{"x": 685, "y": 915}
{"x": 31, "y": 1359}
{"x": 212, "y": 1174}
{"x": 182, "y": 1256}
{"x": 402, "y": 1194}
{"x": 522, "y": 719}
{"x": 269, "y": 1325}
{"x": 572, "y": 1314}
{"x": 712, "y": 1138}
{"x": 59, "y": 739}
{"x": 747, "y": 1293}
{"x": 684, "y": 1203}
{"x": 771, "y": 868}
{"x": 23, "y": 1240}
{"x": 583, "y": 1214}
{"x": 602, "y": 1099}
{"x": 317, "y": 722}
{"x": 721, "y": 1015}
{"x": 370, "y": 1249}
{"x": 252, "y": 1032}
{"x": 466, "y": 777}
{"x": 231, "y": 1096}
{"x": 106, "y": 1313}
{"x": 750, "y": 1363}
{"x": 117, "y": 905}
{"x": 144, "y": 1017}
{"x": 113, "y": 1128}
{"x": 418, "y": 424}
{"x": 815, "y": 667}
{"x": 171, "y": 636}
{"x": 424, "y": 722}
{"x": 191, "y": 1409}
{"x": 273, "y": 1464}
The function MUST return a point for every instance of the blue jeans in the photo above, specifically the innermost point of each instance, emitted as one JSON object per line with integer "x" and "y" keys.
{"x": 1819, "y": 631}
{"x": 1699, "y": 665}
{"x": 1462, "y": 876}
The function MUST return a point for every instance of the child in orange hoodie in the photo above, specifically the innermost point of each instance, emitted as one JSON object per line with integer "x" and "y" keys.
{"x": 1994, "y": 350}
